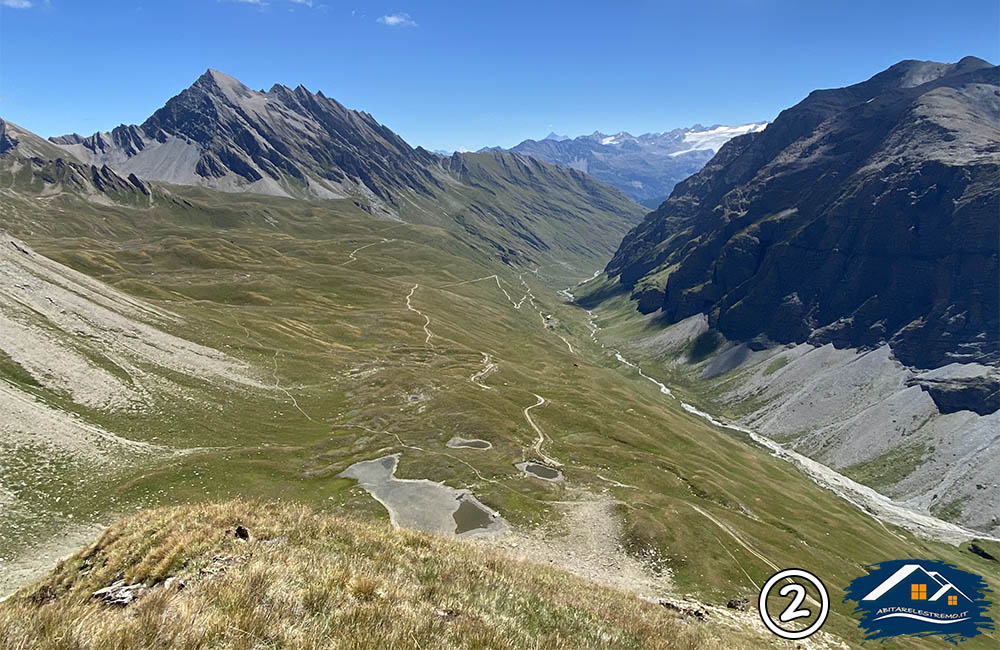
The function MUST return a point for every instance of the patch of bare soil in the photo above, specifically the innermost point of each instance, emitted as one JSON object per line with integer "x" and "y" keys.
{"x": 27, "y": 421}
{"x": 588, "y": 543}
{"x": 45, "y": 556}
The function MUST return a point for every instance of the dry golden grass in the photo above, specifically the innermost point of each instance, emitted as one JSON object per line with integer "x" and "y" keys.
{"x": 312, "y": 580}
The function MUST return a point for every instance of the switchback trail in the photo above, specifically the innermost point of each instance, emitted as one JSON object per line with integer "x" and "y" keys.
{"x": 274, "y": 360}
{"x": 352, "y": 256}
{"x": 516, "y": 305}
{"x": 541, "y": 436}
{"x": 427, "y": 319}
{"x": 488, "y": 369}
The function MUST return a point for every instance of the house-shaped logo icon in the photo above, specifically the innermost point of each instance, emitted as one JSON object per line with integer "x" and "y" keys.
{"x": 929, "y": 589}
{"x": 920, "y": 597}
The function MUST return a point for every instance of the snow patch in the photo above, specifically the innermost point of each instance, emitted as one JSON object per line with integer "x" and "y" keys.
{"x": 713, "y": 139}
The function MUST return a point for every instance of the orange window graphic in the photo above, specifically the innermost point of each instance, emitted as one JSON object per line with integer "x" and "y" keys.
{"x": 918, "y": 592}
{"x": 952, "y": 600}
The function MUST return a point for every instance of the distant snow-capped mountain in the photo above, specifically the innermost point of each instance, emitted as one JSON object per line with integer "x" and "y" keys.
{"x": 645, "y": 167}
{"x": 713, "y": 138}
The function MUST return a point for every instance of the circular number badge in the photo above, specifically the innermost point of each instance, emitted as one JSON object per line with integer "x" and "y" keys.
{"x": 793, "y": 586}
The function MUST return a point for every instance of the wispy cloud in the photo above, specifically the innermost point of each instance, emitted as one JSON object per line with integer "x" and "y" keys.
{"x": 17, "y": 4}
{"x": 397, "y": 20}
{"x": 263, "y": 4}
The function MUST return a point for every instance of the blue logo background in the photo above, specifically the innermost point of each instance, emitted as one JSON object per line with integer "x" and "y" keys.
{"x": 898, "y": 598}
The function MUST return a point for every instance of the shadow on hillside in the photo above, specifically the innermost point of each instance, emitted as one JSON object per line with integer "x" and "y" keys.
{"x": 602, "y": 292}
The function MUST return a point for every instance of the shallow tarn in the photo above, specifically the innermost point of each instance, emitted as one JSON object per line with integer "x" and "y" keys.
{"x": 471, "y": 516}
{"x": 468, "y": 443}
{"x": 537, "y": 470}
{"x": 422, "y": 504}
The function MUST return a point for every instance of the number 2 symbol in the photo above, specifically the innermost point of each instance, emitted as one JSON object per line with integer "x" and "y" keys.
{"x": 797, "y": 592}
{"x": 793, "y": 612}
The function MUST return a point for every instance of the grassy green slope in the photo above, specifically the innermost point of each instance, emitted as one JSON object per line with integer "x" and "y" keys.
{"x": 283, "y": 285}
{"x": 527, "y": 212}
{"x": 309, "y": 580}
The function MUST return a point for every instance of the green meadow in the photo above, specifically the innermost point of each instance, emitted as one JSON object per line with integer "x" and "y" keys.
{"x": 313, "y": 297}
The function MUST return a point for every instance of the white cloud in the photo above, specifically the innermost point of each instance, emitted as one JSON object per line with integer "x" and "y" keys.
{"x": 263, "y": 4}
{"x": 397, "y": 20}
{"x": 17, "y": 4}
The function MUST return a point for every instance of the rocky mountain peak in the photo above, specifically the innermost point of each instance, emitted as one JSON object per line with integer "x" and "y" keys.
{"x": 843, "y": 221}
{"x": 287, "y": 142}
{"x": 219, "y": 82}
{"x": 292, "y": 142}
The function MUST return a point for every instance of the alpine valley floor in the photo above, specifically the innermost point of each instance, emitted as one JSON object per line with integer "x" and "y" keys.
{"x": 271, "y": 344}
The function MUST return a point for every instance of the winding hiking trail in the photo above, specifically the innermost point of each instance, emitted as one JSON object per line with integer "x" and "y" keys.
{"x": 739, "y": 540}
{"x": 541, "y": 436}
{"x": 496, "y": 278}
{"x": 488, "y": 369}
{"x": 274, "y": 372}
{"x": 881, "y": 508}
{"x": 277, "y": 385}
{"x": 593, "y": 549}
{"x": 427, "y": 319}
{"x": 615, "y": 483}
{"x": 528, "y": 295}
{"x": 352, "y": 256}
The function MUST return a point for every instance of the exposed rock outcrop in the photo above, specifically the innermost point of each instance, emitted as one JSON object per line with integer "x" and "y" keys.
{"x": 958, "y": 387}
{"x": 862, "y": 215}
{"x": 30, "y": 163}
{"x": 284, "y": 142}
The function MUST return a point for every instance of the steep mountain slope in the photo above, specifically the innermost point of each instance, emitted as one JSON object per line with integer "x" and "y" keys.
{"x": 530, "y": 212}
{"x": 860, "y": 231}
{"x": 376, "y": 342}
{"x": 293, "y": 143}
{"x": 28, "y": 162}
{"x": 644, "y": 167}
{"x": 219, "y": 133}
{"x": 862, "y": 215}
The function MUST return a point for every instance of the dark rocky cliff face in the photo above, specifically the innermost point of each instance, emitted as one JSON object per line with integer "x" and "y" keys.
{"x": 297, "y": 142}
{"x": 7, "y": 140}
{"x": 287, "y": 133}
{"x": 25, "y": 167}
{"x": 862, "y": 215}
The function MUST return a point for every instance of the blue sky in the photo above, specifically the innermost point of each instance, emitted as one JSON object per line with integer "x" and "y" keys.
{"x": 470, "y": 73}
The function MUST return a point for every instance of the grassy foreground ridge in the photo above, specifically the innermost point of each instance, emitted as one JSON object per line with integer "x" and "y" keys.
{"x": 311, "y": 580}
